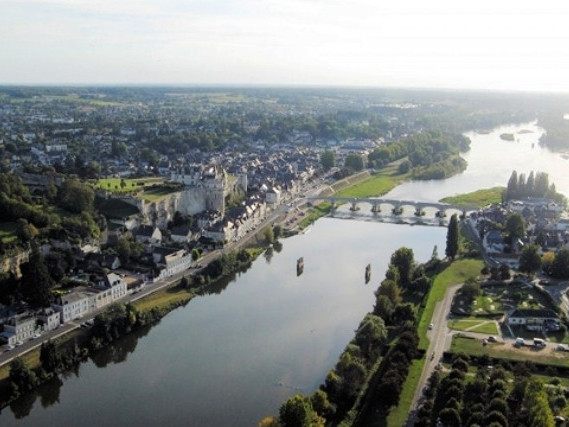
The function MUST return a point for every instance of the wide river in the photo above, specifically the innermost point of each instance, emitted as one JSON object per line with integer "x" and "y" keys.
{"x": 230, "y": 358}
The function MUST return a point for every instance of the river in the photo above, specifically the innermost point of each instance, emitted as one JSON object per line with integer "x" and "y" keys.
{"x": 232, "y": 357}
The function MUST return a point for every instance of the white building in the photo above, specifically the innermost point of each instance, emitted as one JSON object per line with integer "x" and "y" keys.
{"x": 74, "y": 305}
{"x": 49, "y": 319}
{"x": 273, "y": 196}
{"x": 172, "y": 261}
{"x": 84, "y": 300}
{"x": 19, "y": 328}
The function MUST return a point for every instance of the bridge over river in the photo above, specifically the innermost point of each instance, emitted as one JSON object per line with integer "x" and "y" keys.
{"x": 396, "y": 205}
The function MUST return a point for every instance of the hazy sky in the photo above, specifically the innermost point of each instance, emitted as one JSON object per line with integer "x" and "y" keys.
{"x": 496, "y": 44}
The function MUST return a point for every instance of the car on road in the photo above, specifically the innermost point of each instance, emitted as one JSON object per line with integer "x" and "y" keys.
{"x": 562, "y": 347}
{"x": 431, "y": 326}
{"x": 492, "y": 338}
{"x": 35, "y": 336}
{"x": 10, "y": 347}
{"x": 19, "y": 343}
{"x": 520, "y": 342}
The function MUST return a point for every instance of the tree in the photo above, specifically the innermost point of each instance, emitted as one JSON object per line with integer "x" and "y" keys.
{"x": 515, "y": 227}
{"x": 404, "y": 167}
{"x": 530, "y": 261}
{"x": 560, "y": 265}
{"x": 268, "y": 234}
{"x": 471, "y": 289}
{"x": 547, "y": 262}
{"x": 354, "y": 162}
{"x": 321, "y": 404}
{"x": 403, "y": 313}
{"x": 504, "y": 272}
{"x": 49, "y": 356}
{"x": 25, "y": 231}
{"x": 450, "y": 417}
{"x": 36, "y": 281}
{"x": 328, "y": 160}
{"x": 75, "y": 196}
{"x": 452, "y": 237}
{"x": 22, "y": 378}
{"x": 371, "y": 335}
{"x": 403, "y": 260}
{"x": 391, "y": 290}
{"x": 277, "y": 231}
{"x": 512, "y": 188}
{"x": 383, "y": 308}
{"x": 123, "y": 250}
{"x": 296, "y": 412}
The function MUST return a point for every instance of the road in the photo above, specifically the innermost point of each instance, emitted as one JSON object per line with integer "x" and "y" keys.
{"x": 440, "y": 339}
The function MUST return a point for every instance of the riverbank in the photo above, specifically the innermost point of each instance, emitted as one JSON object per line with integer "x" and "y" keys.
{"x": 479, "y": 198}
{"x": 364, "y": 184}
{"x": 115, "y": 323}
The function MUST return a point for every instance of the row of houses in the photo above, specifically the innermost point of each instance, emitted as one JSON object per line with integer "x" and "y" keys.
{"x": 20, "y": 324}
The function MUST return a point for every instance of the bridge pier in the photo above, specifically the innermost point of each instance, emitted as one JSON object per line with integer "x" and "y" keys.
{"x": 419, "y": 210}
{"x": 397, "y": 209}
{"x": 375, "y": 207}
{"x": 354, "y": 206}
{"x": 441, "y": 213}
{"x": 334, "y": 206}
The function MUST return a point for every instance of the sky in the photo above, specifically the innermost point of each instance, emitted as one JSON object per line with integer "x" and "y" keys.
{"x": 494, "y": 45}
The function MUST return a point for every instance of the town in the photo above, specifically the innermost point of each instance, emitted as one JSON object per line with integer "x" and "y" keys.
{"x": 109, "y": 196}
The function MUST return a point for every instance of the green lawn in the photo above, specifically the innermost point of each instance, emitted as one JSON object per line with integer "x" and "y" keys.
{"x": 398, "y": 415}
{"x": 479, "y": 198}
{"x": 8, "y": 232}
{"x": 383, "y": 181}
{"x": 482, "y": 326}
{"x": 489, "y": 328}
{"x": 164, "y": 298}
{"x": 114, "y": 184}
{"x": 314, "y": 213}
{"x": 458, "y": 272}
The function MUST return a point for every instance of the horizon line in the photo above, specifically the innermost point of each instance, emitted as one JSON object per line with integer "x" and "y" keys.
{"x": 276, "y": 86}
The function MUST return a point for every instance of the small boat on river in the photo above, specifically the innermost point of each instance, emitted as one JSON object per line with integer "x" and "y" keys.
{"x": 299, "y": 266}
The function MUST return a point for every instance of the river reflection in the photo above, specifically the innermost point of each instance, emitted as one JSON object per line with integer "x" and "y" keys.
{"x": 232, "y": 357}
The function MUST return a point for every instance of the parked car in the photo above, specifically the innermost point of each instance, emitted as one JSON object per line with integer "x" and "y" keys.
{"x": 492, "y": 338}
{"x": 562, "y": 347}
{"x": 519, "y": 342}
{"x": 10, "y": 347}
{"x": 431, "y": 326}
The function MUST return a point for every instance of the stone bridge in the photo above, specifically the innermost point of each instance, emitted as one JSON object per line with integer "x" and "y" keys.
{"x": 396, "y": 205}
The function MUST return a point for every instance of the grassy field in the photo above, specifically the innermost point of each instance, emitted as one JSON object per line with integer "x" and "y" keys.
{"x": 458, "y": 272}
{"x": 31, "y": 359}
{"x": 475, "y": 325}
{"x": 314, "y": 213}
{"x": 86, "y": 101}
{"x": 164, "y": 298}
{"x": 8, "y": 232}
{"x": 489, "y": 328}
{"x": 114, "y": 184}
{"x": 399, "y": 414}
{"x": 479, "y": 198}
{"x": 383, "y": 181}
{"x": 502, "y": 350}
